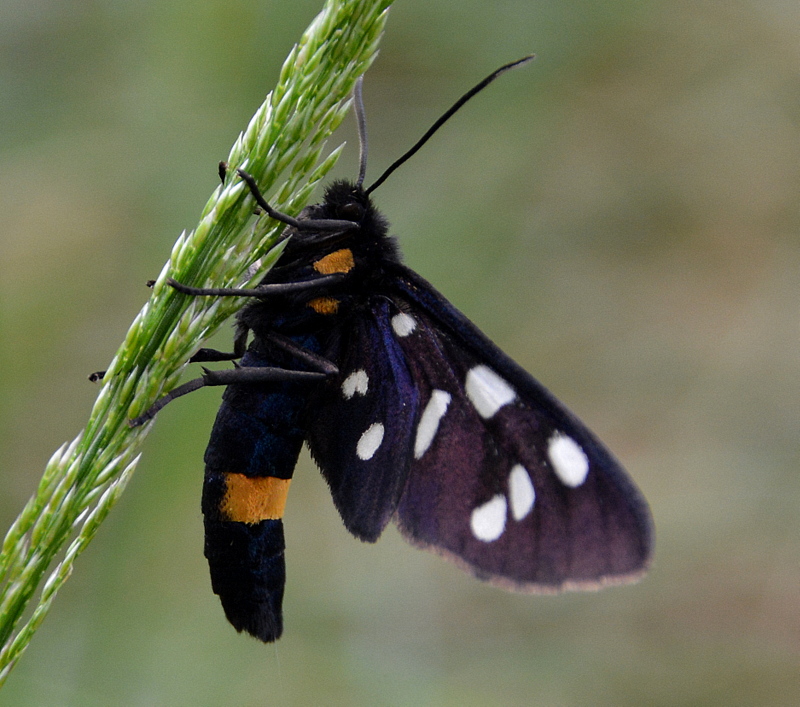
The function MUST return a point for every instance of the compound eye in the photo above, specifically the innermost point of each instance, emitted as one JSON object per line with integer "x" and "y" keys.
{"x": 352, "y": 211}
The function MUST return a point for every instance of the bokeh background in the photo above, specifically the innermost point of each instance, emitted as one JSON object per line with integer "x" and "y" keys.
{"x": 621, "y": 217}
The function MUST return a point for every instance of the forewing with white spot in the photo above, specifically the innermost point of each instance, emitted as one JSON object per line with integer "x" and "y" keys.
{"x": 505, "y": 480}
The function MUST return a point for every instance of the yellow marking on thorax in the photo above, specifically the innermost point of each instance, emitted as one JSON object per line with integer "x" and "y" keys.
{"x": 338, "y": 261}
{"x": 253, "y": 499}
{"x": 324, "y": 305}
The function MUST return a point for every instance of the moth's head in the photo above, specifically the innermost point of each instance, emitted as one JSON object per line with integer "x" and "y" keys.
{"x": 345, "y": 200}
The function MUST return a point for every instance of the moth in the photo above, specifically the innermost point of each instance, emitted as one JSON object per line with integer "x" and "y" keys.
{"x": 412, "y": 415}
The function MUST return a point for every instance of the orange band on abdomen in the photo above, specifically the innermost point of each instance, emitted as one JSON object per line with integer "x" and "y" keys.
{"x": 253, "y": 499}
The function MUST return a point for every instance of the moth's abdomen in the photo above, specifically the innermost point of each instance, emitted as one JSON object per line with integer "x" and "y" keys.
{"x": 248, "y": 573}
{"x": 258, "y": 431}
{"x": 250, "y": 459}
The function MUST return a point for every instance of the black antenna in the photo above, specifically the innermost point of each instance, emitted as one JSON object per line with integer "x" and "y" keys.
{"x": 438, "y": 124}
{"x": 361, "y": 119}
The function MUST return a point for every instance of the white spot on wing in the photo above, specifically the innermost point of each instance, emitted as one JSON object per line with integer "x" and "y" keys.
{"x": 403, "y": 324}
{"x": 429, "y": 422}
{"x": 569, "y": 461}
{"x": 356, "y": 382}
{"x": 520, "y": 492}
{"x": 487, "y": 391}
{"x": 370, "y": 441}
{"x": 489, "y": 520}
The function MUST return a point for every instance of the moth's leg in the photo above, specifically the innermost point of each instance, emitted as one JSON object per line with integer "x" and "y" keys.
{"x": 240, "y": 341}
{"x": 239, "y": 347}
{"x": 240, "y": 374}
{"x": 315, "y": 361}
{"x": 262, "y": 291}
{"x": 306, "y": 225}
{"x": 319, "y": 364}
{"x": 207, "y": 355}
{"x": 250, "y": 374}
{"x": 222, "y": 171}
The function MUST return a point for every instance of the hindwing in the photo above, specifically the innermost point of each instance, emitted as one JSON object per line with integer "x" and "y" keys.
{"x": 360, "y": 428}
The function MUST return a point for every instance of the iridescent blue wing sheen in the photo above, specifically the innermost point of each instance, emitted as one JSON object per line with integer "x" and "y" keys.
{"x": 360, "y": 428}
{"x": 504, "y": 480}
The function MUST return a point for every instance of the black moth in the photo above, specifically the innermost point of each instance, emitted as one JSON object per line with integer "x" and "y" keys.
{"x": 411, "y": 413}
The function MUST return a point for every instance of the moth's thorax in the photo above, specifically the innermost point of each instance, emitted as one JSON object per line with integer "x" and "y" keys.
{"x": 359, "y": 254}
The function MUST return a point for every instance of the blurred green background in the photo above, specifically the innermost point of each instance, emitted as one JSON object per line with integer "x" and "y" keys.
{"x": 621, "y": 217}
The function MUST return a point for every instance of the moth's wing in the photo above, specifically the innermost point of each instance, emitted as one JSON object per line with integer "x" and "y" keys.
{"x": 361, "y": 424}
{"x": 504, "y": 480}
